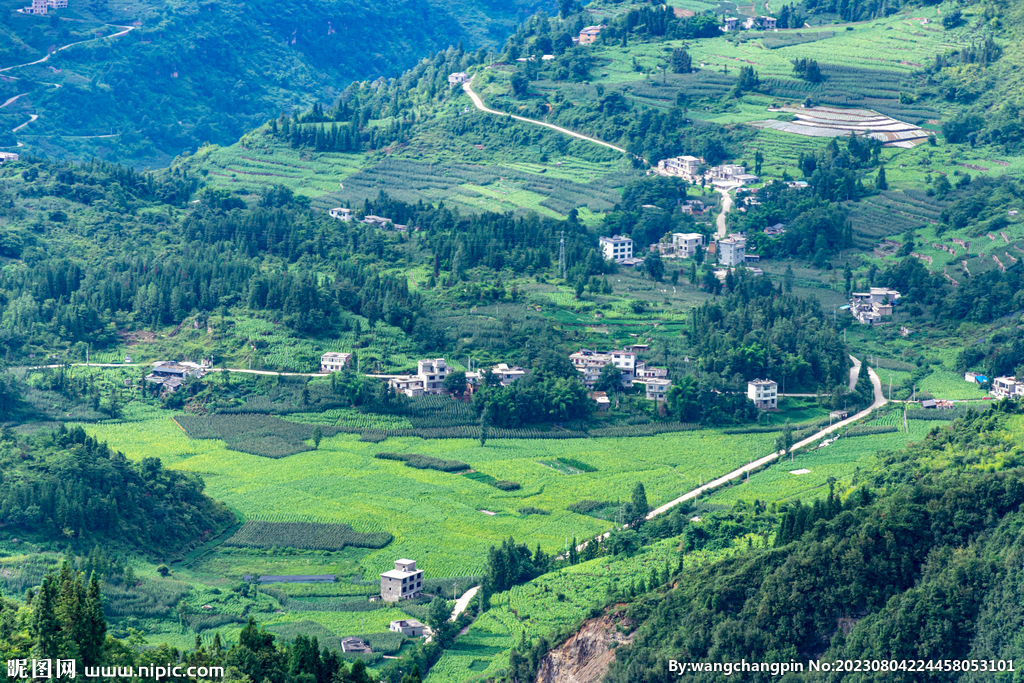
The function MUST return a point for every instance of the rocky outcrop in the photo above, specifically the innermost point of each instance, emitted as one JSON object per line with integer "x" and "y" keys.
{"x": 586, "y": 656}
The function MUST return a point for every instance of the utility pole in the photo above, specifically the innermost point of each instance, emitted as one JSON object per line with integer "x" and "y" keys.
{"x": 561, "y": 254}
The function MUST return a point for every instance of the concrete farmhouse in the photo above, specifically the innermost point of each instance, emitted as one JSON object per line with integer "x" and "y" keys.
{"x": 401, "y": 583}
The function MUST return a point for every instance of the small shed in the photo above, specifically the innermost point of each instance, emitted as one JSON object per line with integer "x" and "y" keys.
{"x": 928, "y": 404}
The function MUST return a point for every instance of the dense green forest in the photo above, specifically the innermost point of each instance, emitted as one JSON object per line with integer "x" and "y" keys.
{"x": 66, "y": 485}
{"x": 192, "y": 74}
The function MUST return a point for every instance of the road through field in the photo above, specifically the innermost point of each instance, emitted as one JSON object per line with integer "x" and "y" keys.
{"x": 735, "y": 474}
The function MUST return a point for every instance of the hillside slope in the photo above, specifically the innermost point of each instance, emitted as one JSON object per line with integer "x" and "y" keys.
{"x": 206, "y": 72}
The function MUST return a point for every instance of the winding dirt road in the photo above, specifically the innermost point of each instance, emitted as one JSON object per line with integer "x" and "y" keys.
{"x": 127, "y": 29}
{"x": 479, "y": 104}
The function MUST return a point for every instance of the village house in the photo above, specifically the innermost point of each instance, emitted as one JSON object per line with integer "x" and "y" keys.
{"x": 764, "y": 393}
{"x": 684, "y": 166}
{"x": 429, "y": 378}
{"x": 407, "y": 627}
{"x": 8, "y": 156}
{"x": 729, "y": 175}
{"x": 589, "y": 364}
{"x": 686, "y": 243}
{"x": 341, "y": 213}
{"x": 457, "y": 78}
{"x": 838, "y": 415}
{"x": 333, "y": 362}
{"x": 656, "y": 389}
{"x": 1006, "y": 387}
{"x": 383, "y": 223}
{"x": 765, "y": 23}
{"x": 401, "y": 583}
{"x": 602, "y": 400}
{"x": 645, "y": 371}
{"x": 171, "y": 374}
{"x": 797, "y": 184}
{"x": 870, "y": 307}
{"x": 353, "y": 645}
{"x": 616, "y": 248}
{"x": 589, "y": 34}
{"x": 731, "y": 251}
{"x": 775, "y": 230}
{"x": 692, "y": 206}
{"x": 507, "y": 374}
{"x": 730, "y": 24}
{"x": 975, "y": 377}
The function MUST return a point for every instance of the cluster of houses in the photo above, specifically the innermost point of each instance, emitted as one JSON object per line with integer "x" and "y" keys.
{"x": 756, "y": 23}
{"x": 171, "y": 374}
{"x": 730, "y": 252}
{"x": 404, "y": 582}
{"x": 1002, "y": 387}
{"x": 692, "y": 168}
{"x": 429, "y": 376}
{"x": 635, "y": 372}
{"x": 342, "y": 213}
{"x": 870, "y": 307}
{"x": 44, "y": 6}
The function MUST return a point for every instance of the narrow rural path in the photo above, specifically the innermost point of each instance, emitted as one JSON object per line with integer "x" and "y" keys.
{"x": 127, "y": 29}
{"x": 877, "y": 403}
{"x": 479, "y": 104}
{"x": 136, "y": 365}
{"x": 726, "y": 207}
{"x": 463, "y": 603}
{"x": 12, "y": 100}
{"x": 32, "y": 117}
{"x": 854, "y": 373}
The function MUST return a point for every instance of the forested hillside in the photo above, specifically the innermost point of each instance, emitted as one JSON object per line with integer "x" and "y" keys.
{"x": 66, "y": 485}
{"x": 191, "y": 73}
{"x": 919, "y": 562}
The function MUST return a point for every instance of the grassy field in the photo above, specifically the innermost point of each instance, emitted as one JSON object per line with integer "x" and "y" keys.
{"x": 841, "y": 460}
{"x": 435, "y": 516}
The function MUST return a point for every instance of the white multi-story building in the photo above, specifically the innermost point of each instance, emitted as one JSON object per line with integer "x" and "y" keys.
{"x": 401, "y": 583}
{"x": 645, "y": 371}
{"x": 589, "y": 364}
{"x": 731, "y": 251}
{"x": 341, "y": 213}
{"x": 1006, "y": 387}
{"x": 617, "y": 248}
{"x": 429, "y": 378}
{"x": 764, "y": 393}
{"x": 686, "y": 243}
{"x": 685, "y": 166}
{"x": 333, "y": 362}
{"x": 457, "y": 78}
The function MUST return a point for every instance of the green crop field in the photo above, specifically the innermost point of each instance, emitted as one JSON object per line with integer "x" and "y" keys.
{"x": 548, "y": 605}
{"x": 840, "y": 460}
{"x": 950, "y": 385}
{"x": 436, "y": 517}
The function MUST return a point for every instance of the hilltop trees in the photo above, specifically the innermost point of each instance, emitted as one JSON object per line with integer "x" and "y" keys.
{"x": 75, "y": 488}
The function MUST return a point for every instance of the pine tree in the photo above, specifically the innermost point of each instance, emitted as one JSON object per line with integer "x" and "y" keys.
{"x": 881, "y": 183}
{"x": 43, "y": 627}
{"x": 94, "y": 632}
